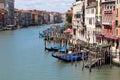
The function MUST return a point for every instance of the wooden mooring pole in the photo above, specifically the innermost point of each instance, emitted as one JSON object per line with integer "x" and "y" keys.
{"x": 110, "y": 57}
{"x": 45, "y": 44}
{"x": 83, "y": 60}
{"x": 90, "y": 62}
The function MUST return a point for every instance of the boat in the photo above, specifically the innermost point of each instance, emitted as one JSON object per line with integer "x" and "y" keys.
{"x": 10, "y": 27}
{"x": 55, "y": 48}
{"x": 41, "y": 35}
{"x": 70, "y": 57}
{"x": 63, "y": 49}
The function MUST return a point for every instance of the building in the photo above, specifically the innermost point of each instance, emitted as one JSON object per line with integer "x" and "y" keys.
{"x": 117, "y": 32}
{"x": 110, "y": 23}
{"x": 98, "y": 23}
{"x": 51, "y": 18}
{"x": 57, "y": 17}
{"x": 63, "y": 17}
{"x": 98, "y": 16}
{"x": 90, "y": 20}
{"x": 117, "y": 29}
{"x": 3, "y": 18}
{"x": 8, "y": 5}
{"x": 108, "y": 17}
{"x": 78, "y": 19}
{"x": 22, "y": 18}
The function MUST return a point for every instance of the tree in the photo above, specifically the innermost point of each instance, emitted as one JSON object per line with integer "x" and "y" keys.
{"x": 69, "y": 18}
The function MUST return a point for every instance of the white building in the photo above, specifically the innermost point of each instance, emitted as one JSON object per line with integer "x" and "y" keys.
{"x": 90, "y": 20}
{"x": 64, "y": 17}
{"x": 51, "y": 18}
{"x": 78, "y": 19}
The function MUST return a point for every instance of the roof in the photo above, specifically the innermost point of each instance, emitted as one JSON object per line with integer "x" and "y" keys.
{"x": 3, "y": 10}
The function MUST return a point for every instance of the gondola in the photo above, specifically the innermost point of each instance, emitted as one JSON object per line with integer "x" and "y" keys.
{"x": 41, "y": 35}
{"x": 63, "y": 49}
{"x": 55, "y": 48}
{"x": 70, "y": 57}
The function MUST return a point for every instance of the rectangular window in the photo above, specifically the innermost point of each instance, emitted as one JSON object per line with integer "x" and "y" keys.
{"x": 90, "y": 21}
{"x": 93, "y": 21}
{"x": 116, "y": 22}
{"x": 117, "y": 12}
{"x": 92, "y": 11}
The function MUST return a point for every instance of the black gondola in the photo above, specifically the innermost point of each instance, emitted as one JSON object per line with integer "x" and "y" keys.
{"x": 70, "y": 57}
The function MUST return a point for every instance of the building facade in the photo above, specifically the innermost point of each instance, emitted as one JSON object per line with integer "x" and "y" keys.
{"x": 78, "y": 19}
{"x": 8, "y": 5}
{"x": 3, "y": 18}
{"x": 90, "y": 20}
{"x": 117, "y": 32}
{"x": 108, "y": 17}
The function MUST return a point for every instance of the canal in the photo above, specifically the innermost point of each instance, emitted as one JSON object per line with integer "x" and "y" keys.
{"x": 22, "y": 57}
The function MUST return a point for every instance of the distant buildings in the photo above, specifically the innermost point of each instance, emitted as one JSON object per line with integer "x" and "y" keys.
{"x": 25, "y": 18}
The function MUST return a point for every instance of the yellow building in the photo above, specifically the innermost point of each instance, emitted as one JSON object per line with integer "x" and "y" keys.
{"x": 98, "y": 16}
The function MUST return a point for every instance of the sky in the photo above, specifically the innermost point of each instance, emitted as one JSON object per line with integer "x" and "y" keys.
{"x": 48, "y": 5}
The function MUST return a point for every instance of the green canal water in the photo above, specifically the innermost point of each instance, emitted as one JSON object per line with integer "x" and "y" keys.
{"x": 22, "y": 57}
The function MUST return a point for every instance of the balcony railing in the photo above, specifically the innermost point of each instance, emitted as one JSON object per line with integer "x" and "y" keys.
{"x": 107, "y": 23}
{"x": 106, "y": 1}
{"x": 108, "y": 11}
{"x": 91, "y": 4}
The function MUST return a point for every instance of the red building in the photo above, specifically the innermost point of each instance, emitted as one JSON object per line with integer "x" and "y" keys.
{"x": 108, "y": 17}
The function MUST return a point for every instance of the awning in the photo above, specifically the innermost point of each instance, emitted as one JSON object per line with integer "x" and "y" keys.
{"x": 99, "y": 35}
{"x": 81, "y": 28}
{"x": 115, "y": 38}
{"x": 73, "y": 28}
{"x": 68, "y": 31}
{"x": 112, "y": 37}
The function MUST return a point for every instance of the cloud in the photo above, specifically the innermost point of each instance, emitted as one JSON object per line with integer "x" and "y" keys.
{"x": 49, "y": 5}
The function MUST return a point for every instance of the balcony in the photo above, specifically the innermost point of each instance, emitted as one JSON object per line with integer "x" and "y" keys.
{"x": 108, "y": 1}
{"x": 107, "y": 23}
{"x": 91, "y": 4}
{"x": 108, "y": 11}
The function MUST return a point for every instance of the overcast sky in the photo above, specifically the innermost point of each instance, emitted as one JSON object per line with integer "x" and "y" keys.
{"x": 48, "y": 5}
